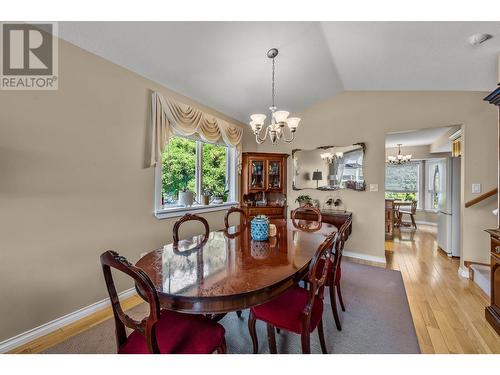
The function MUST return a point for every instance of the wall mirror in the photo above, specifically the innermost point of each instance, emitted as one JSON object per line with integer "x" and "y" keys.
{"x": 329, "y": 168}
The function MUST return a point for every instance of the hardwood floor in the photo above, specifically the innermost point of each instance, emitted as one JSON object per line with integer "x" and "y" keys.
{"x": 448, "y": 311}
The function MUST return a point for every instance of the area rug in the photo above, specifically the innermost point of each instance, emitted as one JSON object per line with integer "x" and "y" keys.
{"x": 377, "y": 320}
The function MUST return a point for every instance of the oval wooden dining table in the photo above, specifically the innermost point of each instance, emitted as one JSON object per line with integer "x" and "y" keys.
{"x": 228, "y": 271}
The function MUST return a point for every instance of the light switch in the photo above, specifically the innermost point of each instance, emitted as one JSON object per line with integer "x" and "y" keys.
{"x": 476, "y": 188}
{"x": 373, "y": 187}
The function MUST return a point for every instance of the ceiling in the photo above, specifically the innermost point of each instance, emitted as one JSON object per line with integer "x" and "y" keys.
{"x": 224, "y": 64}
{"x": 421, "y": 137}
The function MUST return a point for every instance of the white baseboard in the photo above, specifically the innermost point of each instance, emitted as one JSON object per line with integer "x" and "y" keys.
{"x": 370, "y": 258}
{"x": 44, "y": 329}
{"x": 463, "y": 272}
{"x": 426, "y": 223}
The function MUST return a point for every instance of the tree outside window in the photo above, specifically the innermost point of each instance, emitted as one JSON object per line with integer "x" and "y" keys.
{"x": 181, "y": 169}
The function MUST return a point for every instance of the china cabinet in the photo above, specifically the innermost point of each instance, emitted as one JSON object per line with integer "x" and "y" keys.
{"x": 263, "y": 184}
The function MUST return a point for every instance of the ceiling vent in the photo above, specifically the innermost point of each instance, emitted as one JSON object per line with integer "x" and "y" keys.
{"x": 478, "y": 39}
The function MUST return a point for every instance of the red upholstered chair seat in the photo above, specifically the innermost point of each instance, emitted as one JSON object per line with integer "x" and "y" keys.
{"x": 319, "y": 271}
{"x": 285, "y": 311}
{"x": 180, "y": 334}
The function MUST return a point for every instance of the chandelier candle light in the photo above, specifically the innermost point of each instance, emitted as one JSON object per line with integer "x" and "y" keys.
{"x": 276, "y": 129}
{"x": 399, "y": 158}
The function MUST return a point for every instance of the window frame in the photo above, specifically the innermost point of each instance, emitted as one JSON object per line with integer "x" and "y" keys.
{"x": 418, "y": 193}
{"x": 161, "y": 212}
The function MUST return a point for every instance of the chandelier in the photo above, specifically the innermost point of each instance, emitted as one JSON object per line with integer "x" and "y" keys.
{"x": 399, "y": 158}
{"x": 330, "y": 157}
{"x": 276, "y": 129}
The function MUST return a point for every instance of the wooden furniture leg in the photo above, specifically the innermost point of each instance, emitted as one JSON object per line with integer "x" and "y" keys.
{"x": 333, "y": 302}
{"x": 322, "y": 337}
{"x": 253, "y": 332}
{"x": 271, "y": 338}
{"x": 306, "y": 342}
{"x": 413, "y": 220}
{"x": 340, "y": 296}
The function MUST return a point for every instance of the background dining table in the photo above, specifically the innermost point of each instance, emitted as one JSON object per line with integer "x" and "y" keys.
{"x": 228, "y": 271}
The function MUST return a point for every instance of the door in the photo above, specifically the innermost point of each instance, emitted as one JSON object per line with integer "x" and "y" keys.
{"x": 257, "y": 177}
{"x": 274, "y": 174}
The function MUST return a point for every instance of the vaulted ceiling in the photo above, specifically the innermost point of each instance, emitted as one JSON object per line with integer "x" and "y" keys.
{"x": 224, "y": 64}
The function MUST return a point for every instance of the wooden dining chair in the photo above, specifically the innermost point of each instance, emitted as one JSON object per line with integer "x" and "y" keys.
{"x": 243, "y": 218}
{"x": 334, "y": 273}
{"x": 411, "y": 211}
{"x": 162, "y": 331}
{"x": 297, "y": 310}
{"x": 307, "y": 212}
{"x": 186, "y": 218}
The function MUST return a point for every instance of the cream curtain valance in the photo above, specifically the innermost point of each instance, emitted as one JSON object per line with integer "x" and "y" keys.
{"x": 171, "y": 117}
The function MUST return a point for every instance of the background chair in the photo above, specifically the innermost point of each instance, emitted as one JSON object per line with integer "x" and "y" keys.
{"x": 163, "y": 331}
{"x": 186, "y": 218}
{"x": 243, "y": 218}
{"x": 309, "y": 213}
{"x": 412, "y": 210}
{"x": 297, "y": 310}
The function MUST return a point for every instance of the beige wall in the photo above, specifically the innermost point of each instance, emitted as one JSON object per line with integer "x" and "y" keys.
{"x": 366, "y": 117}
{"x": 72, "y": 185}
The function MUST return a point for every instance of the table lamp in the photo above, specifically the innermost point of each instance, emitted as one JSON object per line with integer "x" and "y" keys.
{"x": 317, "y": 176}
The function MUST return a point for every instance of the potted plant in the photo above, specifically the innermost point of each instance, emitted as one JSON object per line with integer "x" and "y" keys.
{"x": 186, "y": 197}
{"x": 220, "y": 196}
{"x": 303, "y": 200}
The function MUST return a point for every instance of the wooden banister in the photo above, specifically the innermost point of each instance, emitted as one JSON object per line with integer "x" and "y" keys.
{"x": 482, "y": 197}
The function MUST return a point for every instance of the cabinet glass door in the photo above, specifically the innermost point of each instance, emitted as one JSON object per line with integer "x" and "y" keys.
{"x": 257, "y": 174}
{"x": 274, "y": 174}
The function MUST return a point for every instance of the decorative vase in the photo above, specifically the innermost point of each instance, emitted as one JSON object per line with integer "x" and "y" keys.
{"x": 186, "y": 198}
{"x": 260, "y": 228}
{"x": 205, "y": 199}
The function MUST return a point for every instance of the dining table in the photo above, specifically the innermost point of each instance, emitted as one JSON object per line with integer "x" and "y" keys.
{"x": 229, "y": 271}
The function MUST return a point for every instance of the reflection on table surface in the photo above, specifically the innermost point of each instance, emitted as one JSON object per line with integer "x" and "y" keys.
{"x": 230, "y": 262}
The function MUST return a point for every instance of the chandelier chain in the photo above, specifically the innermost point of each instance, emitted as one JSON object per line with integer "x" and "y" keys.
{"x": 273, "y": 92}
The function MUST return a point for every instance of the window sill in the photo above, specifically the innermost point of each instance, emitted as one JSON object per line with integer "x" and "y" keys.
{"x": 180, "y": 211}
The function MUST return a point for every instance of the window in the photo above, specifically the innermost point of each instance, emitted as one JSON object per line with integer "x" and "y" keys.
{"x": 353, "y": 162}
{"x": 197, "y": 166}
{"x": 433, "y": 178}
{"x": 403, "y": 181}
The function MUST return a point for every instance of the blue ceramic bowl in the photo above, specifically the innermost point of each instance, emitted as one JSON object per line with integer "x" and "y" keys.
{"x": 260, "y": 228}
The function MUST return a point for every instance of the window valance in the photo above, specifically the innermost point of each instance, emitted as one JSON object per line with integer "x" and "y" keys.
{"x": 171, "y": 117}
